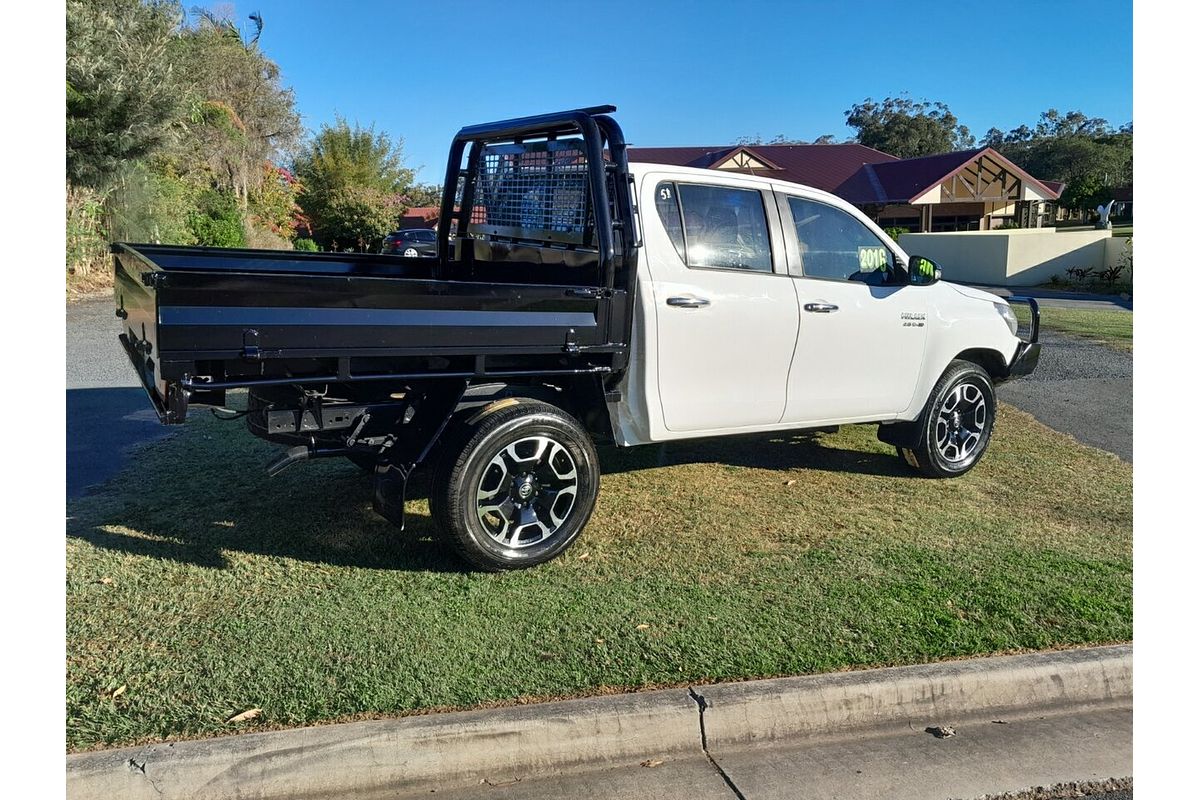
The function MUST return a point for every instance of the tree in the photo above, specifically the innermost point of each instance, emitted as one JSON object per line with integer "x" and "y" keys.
{"x": 122, "y": 93}
{"x": 908, "y": 128}
{"x": 354, "y": 183}
{"x": 1085, "y": 152}
{"x": 357, "y": 216}
{"x": 341, "y": 156}
{"x": 423, "y": 195}
{"x": 750, "y": 141}
{"x": 239, "y": 115}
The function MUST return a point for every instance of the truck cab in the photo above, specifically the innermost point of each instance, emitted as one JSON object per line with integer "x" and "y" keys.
{"x": 766, "y": 305}
{"x": 574, "y": 299}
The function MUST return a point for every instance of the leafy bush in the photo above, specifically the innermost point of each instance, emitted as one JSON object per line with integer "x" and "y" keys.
{"x": 306, "y": 245}
{"x": 356, "y": 217}
{"x": 217, "y": 220}
{"x": 896, "y": 232}
{"x": 87, "y": 241}
{"x": 150, "y": 204}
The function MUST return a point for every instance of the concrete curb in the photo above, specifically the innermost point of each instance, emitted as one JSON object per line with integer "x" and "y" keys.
{"x": 385, "y": 757}
{"x": 928, "y": 694}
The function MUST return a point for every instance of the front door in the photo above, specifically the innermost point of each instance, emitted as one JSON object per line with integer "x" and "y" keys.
{"x": 862, "y": 327}
{"x": 726, "y": 312}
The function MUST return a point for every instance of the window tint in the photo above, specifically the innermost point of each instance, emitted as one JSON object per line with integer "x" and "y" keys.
{"x": 666, "y": 200}
{"x": 725, "y": 228}
{"x": 834, "y": 244}
{"x": 424, "y": 236}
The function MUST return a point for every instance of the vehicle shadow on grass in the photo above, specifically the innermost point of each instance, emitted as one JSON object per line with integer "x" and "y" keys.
{"x": 785, "y": 450}
{"x": 182, "y": 501}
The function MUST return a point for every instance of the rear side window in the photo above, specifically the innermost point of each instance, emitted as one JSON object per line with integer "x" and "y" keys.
{"x": 833, "y": 244}
{"x": 424, "y": 236}
{"x": 715, "y": 227}
{"x": 725, "y": 228}
{"x": 666, "y": 200}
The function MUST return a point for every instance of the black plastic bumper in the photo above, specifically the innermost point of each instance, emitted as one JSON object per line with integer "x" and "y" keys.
{"x": 1025, "y": 360}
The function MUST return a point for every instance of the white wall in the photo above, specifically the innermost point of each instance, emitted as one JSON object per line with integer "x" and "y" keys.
{"x": 1019, "y": 257}
{"x": 1115, "y": 250}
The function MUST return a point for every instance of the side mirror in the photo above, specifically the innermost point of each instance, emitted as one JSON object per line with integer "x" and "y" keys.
{"x": 923, "y": 271}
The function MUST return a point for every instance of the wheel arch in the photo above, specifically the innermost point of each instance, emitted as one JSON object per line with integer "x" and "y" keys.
{"x": 992, "y": 361}
{"x": 580, "y": 396}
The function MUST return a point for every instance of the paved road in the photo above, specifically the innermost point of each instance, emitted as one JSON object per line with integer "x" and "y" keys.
{"x": 1054, "y": 298}
{"x": 983, "y": 759}
{"x": 107, "y": 410}
{"x": 1080, "y": 388}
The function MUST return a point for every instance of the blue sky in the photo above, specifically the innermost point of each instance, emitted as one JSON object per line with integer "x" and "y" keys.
{"x": 701, "y": 73}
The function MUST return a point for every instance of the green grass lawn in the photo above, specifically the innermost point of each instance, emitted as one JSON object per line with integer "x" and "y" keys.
{"x": 205, "y": 589}
{"x": 1113, "y": 328}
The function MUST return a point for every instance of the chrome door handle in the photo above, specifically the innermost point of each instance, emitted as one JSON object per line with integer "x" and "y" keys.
{"x": 687, "y": 302}
{"x": 820, "y": 308}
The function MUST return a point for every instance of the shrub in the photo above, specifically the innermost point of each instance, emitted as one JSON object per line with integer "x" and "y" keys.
{"x": 896, "y": 232}
{"x": 151, "y": 205}
{"x": 305, "y": 245}
{"x": 87, "y": 241}
{"x": 217, "y": 220}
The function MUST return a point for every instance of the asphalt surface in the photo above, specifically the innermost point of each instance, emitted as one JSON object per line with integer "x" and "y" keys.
{"x": 1054, "y": 298}
{"x": 1080, "y": 388}
{"x": 107, "y": 409}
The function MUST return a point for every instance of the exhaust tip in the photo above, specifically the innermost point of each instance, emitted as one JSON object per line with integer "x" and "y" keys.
{"x": 286, "y": 459}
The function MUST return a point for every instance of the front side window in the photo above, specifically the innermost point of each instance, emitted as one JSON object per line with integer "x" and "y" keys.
{"x": 833, "y": 244}
{"x": 715, "y": 227}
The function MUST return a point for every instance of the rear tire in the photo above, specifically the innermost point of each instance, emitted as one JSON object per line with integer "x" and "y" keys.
{"x": 956, "y": 424}
{"x": 516, "y": 486}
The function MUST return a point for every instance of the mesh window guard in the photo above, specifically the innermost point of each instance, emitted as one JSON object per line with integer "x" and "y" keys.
{"x": 534, "y": 190}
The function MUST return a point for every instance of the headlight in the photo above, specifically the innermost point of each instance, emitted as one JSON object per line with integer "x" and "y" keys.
{"x": 1005, "y": 311}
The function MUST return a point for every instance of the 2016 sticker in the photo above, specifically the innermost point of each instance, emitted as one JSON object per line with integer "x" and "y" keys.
{"x": 872, "y": 258}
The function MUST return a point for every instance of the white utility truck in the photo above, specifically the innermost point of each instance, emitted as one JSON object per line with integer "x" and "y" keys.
{"x": 576, "y": 298}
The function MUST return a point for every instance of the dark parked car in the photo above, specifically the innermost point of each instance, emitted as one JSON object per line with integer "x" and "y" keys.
{"x": 412, "y": 242}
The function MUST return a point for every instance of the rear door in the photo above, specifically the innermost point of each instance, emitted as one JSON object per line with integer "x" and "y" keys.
{"x": 862, "y": 328}
{"x": 725, "y": 309}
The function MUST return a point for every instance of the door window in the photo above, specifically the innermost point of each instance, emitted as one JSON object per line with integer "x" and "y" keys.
{"x": 716, "y": 227}
{"x": 835, "y": 245}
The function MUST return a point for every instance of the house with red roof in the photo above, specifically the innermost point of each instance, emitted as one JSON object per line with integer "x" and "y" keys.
{"x": 976, "y": 189}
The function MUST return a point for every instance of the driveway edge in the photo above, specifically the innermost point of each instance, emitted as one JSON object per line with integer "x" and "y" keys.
{"x": 462, "y": 749}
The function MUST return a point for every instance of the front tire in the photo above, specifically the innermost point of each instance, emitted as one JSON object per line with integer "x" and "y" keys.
{"x": 516, "y": 486}
{"x": 956, "y": 424}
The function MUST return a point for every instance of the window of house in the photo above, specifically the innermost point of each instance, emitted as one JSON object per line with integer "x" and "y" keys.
{"x": 833, "y": 244}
